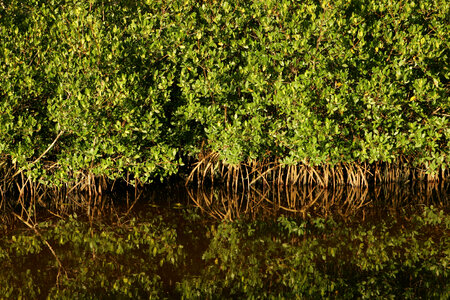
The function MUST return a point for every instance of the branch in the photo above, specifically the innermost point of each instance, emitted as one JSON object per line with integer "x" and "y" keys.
{"x": 49, "y": 147}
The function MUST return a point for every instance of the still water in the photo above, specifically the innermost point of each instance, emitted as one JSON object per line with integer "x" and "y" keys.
{"x": 174, "y": 242}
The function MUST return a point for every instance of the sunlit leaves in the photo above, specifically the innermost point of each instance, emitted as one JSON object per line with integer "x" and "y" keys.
{"x": 136, "y": 86}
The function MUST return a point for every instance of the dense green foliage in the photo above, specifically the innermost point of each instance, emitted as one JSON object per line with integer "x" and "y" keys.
{"x": 149, "y": 257}
{"x": 106, "y": 88}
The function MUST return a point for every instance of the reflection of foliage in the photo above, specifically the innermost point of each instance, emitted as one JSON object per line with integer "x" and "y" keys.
{"x": 321, "y": 257}
{"x": 308, "y": 258}
{"x": 110, "y": 261}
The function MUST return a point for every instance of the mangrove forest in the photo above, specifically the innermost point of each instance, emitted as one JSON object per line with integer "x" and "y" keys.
{"x": 262, "y": 149}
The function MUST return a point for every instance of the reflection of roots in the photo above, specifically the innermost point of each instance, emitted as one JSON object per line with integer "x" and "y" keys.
{"x": 342, "y": 200}
{"x": 61, "y": 205}
{"x": 210, "y": 167}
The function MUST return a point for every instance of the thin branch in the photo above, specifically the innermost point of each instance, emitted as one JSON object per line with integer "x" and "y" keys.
{"x": 45, "y": 152}
{"x": 43, "y": 239}
{"x": 49, "y": 147}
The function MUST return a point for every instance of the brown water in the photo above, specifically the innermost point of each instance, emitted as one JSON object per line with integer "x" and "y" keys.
{"x": 187, "y": 245}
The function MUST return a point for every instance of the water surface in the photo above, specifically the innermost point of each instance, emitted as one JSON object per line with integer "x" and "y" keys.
{"x": 173, "y": 242}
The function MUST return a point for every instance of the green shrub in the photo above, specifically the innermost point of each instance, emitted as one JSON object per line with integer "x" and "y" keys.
{"x": 109, "y": 88}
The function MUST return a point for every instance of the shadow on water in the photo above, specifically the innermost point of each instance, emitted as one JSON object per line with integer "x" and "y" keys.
{"x": 177, "y": 241}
